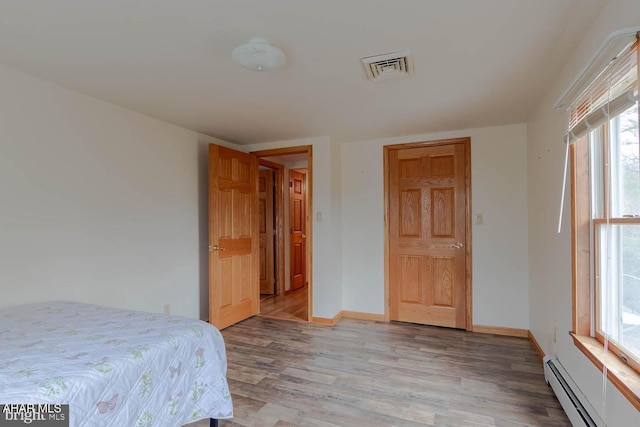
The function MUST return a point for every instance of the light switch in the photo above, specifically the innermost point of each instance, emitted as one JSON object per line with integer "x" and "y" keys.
{"x": 319, "y": 216}
{"x": 479, "y": 219}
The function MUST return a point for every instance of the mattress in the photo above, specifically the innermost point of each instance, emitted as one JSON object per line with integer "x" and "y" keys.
{"x": 113, "y": 367}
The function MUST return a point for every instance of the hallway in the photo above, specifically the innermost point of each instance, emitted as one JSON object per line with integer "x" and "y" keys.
{"x": 292, "y": 306}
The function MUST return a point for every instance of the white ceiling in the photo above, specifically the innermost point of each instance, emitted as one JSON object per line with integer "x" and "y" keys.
{"x": 477, "y": 62}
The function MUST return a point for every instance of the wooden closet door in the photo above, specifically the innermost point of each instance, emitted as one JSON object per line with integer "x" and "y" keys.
{"x": 427, "y": 235}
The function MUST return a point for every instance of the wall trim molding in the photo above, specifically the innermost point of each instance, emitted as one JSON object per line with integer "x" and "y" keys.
{"x": 349, "y": 315}
{"x": 327, "y": 321}
{"x": 535, "y": 345}
{"x": 363, "y": 316}
{"x": 501, "y": 330}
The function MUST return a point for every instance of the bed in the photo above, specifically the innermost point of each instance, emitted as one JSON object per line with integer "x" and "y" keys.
{"x": 113, "y": 367}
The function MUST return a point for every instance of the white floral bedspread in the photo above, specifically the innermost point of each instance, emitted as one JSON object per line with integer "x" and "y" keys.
{"x": 113, "y": 367}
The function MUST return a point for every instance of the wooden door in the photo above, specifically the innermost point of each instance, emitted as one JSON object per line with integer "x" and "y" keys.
{"x": 266, "y": 228}
{"x": 234, "y": 292}
{"x": 428, "y": 214}
{"x": 297, "y": 224}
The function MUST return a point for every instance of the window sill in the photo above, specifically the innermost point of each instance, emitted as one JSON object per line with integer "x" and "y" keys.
{"x": 622, "y": 376}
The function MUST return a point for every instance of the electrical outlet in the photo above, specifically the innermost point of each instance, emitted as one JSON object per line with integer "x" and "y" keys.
{"x": 167, "y": 310}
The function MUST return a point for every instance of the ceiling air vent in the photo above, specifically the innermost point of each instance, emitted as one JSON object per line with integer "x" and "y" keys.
{"x": 388, "y": 66}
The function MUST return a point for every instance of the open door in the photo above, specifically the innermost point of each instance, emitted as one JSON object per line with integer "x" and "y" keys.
{"x": 234, "y": 288}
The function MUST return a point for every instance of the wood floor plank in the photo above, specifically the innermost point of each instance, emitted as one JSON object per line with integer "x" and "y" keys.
{"x": 365, "y": 373}
{"x": 292, "y": 306}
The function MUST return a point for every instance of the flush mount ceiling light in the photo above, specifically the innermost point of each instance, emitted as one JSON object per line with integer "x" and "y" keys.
{"x": 258, "y": 55}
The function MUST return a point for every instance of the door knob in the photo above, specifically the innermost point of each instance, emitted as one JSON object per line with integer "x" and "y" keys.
{"x": 216, "y": 248}
{"x": 458, "y": 245}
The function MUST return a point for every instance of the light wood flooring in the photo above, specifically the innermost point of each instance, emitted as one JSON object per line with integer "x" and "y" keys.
{"x": 364, "y": 373}
{"x": 292, "y": 306}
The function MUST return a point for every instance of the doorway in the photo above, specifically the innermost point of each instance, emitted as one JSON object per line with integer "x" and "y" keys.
{"x": 428, "y": 232}
{"x": 290, "y": 296}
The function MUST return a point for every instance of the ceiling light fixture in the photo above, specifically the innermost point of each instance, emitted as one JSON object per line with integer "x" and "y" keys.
{"x": 259, "y": 55}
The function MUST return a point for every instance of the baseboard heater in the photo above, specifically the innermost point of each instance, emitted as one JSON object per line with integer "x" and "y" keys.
{"x": 575, "y": 405}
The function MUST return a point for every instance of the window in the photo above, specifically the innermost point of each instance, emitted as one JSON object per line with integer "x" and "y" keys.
{"x": 605, "y": 162}
{"x": 615, "y": 213}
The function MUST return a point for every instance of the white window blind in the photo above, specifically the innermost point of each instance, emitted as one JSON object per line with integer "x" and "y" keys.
{"x": 613, "y": 91}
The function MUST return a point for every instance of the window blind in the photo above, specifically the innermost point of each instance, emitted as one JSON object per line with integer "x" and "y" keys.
{"x": 610, "y": 93}
{"x": 613, "y": 91}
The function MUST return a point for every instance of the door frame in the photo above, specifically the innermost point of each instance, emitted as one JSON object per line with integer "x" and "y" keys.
{"x": 308, "y": 150}
{"x": 468, "y": 219}
{"x": 278, "y": 209}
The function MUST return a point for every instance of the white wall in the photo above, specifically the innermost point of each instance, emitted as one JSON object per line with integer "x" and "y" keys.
{"x": 549, "y": 253}
{"x": 500, "y": 281}
{"x": 98, "y": 203}
{"x": 335, "y": 242}
{"x": 104, "y": 205}
{"x": 326, "y": 280}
